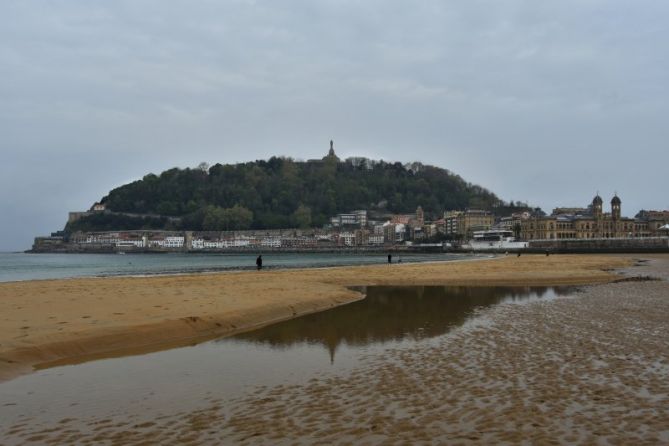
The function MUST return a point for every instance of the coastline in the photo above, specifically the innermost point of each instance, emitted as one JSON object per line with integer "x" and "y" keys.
{"x": 51, "y": 322}
{"x": 29, "y": 267}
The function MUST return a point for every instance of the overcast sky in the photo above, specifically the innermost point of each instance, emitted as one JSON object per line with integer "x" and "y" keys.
{"x": 544, "y": 101}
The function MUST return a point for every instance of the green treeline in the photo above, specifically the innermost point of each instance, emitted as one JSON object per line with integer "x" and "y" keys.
{"x": 283, "y": 193}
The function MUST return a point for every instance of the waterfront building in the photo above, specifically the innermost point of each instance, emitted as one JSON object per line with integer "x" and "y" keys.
{"x": 417, "y": 219}
{"x": 215, "y": 244}
{"x": 298, "y": 242}
{"x": 464, "y": 223}
{"x": 132, "y": 240}
{"x": 416, "y": 233}
{"x": 389, "y": 232}
{"x": 375, "y": 240}
{"x": 102, "y": 238}
{"x": 512, "y": 223}
{"x": 166, "y": 241}
{"x": 402, "y": 219}
{"x": 53, "y": 243}
{"x": 349, "y": 220}
{"x": 270, "y": 242}
{"x": 361, "y": 237}
{"x": 347, "y": 238}
{"x": 654, "y": 219}
{"x": 430, "y": 230}
{"x": 394, "y": 232}
{"x": 440, "y": 226}
{"x": 587, "y": 223}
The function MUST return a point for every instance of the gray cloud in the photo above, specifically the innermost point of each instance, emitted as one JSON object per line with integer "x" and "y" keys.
{"x": 539, "y": 101}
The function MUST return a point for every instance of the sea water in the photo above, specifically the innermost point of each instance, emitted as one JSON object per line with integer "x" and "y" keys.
{"x": 21, "y": 266}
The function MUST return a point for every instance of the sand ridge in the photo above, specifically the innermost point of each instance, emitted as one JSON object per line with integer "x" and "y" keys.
{"x": 43, "y": 322}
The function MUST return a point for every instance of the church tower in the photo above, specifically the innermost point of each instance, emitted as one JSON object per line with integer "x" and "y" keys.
{"x": 420, "y": 216}
{"x": 597, "y": 203}
{"x": 615, "y": 207}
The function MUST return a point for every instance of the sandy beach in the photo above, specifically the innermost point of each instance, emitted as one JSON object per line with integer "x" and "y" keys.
{"x": 588, "y": 369}
{"x": 592, "y": 369}
{"x": 50, "y": 321}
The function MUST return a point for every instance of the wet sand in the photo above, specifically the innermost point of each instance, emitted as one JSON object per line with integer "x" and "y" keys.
{"x": 591, "y": 369}
{"x": 50, "y": 321}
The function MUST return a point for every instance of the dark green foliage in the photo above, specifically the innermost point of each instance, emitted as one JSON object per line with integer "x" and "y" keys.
{"x": 281, "y": 192}
{"x": 218, "y": 219}
{"x": 112, "y": 222}
{"x": 302, "y": 217}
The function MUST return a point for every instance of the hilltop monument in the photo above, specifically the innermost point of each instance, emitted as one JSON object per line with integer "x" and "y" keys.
{"x": 331, "y": 153}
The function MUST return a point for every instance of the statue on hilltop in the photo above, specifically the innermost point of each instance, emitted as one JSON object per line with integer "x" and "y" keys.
{"x": 331, "y": 153}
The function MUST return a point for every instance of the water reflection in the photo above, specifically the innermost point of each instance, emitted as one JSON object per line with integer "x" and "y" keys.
{"x": 392, "y": 314}
{"x": 292, "y": 352}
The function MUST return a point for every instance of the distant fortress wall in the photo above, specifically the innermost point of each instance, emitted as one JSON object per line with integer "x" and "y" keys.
{"x": 608, "y": 245}
{"x": 74, "y": 216}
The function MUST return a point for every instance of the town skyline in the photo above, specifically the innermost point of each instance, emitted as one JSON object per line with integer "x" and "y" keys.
{"x": 627, "y": 212}
{"x": 584, "y": 227}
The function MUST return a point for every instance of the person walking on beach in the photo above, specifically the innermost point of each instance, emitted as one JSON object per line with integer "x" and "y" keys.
{"x": 259, "y": 262}
{"x": 390, "y": 258}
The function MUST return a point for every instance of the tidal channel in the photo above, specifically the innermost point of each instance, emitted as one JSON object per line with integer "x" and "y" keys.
{"x": 331, "y": 342}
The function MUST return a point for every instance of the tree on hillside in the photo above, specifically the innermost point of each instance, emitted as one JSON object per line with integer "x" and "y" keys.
{"x": 281, "y": 192}
{"x": 238, "y": 217}
{"x": 217, "y": 218}
{"x": 302, "y": 217}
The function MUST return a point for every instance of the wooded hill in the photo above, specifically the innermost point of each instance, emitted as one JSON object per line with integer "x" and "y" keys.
{"x": 282, "y": 193}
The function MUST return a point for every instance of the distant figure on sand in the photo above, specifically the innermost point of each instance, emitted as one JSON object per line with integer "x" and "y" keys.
{"x": 390, "y": 258}
{"x": 259, "y": 262}
{"x": 518, "y": 253}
